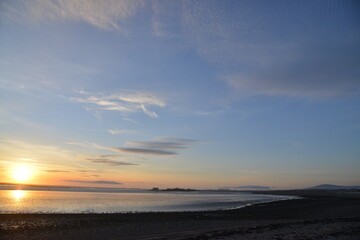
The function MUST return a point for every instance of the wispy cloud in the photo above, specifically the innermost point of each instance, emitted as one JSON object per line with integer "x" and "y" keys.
{"x": 46, "y": 158}
{"x": 129, "y": 120}
{"x": 110, "y": 160}
{"x": 93, "y": 182}
{"x": 88, "y": 171}
{"x": 78, "y": 144}
{"x": 148, "y": 112}
{"x": 88, "y": 145}
{"x": 36, "y": 72}
{"x": 49, "y": 156}
{"x": 104, "y": 14}
{"x": 213, "y": 112}
{"x": 55, "y": 171}
{"x": 165, "y": 17}
{"x": 144, "y": 151}
{"x": 119, "y": 131}
{"x": 124, "y": 102}
{"x": 181, "y": 140}
{"x": 159, "y": 147}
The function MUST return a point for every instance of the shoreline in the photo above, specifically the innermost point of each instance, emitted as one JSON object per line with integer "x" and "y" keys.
{"x": 317, "y": 216}
{"x": 205, "y": 203}
{"x": 152, "y": 212}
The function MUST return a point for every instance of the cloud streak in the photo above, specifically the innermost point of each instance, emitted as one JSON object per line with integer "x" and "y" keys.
{"x": 119, "y": 131}
{"x": 124, "y": 102}
{"x": 109, "y": 160}
{"x": 182, "y": 140}
{"x": 56, "y": 171}
{"x": 50, "y": 156}
{"x": 159, "y": 147}
{"x": 162, "y": 146}
{"x": 93, "y": 182}
{"x": 144, "y": 151}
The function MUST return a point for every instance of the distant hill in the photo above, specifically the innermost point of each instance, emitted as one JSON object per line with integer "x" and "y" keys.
{"x": 333, "y": 187}
{"x": 248, "y": 187}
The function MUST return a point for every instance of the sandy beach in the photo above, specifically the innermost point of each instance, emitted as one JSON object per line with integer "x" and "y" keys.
{"x": 319, "y": 215}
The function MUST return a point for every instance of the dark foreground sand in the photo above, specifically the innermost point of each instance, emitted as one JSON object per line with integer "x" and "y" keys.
{"x": 326, "y": 215}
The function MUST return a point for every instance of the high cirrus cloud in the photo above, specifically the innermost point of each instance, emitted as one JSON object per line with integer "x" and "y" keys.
{"x": 123, "y": 101}
{"x": 104, "y": 14}
{"x": 308, "y": 71}
{"x": 309, "y": 50}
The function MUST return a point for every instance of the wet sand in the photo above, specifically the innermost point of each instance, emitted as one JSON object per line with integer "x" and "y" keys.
{"x": 319, "y": 215}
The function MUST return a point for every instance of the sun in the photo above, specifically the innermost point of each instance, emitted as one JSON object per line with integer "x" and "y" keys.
{"x": 22, "y": 174}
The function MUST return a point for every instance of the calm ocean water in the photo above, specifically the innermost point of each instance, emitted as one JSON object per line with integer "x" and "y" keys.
{"x": 26, "y": 201}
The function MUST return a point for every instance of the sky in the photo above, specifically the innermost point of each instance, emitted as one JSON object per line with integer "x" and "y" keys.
{"x": 195, "y": 94}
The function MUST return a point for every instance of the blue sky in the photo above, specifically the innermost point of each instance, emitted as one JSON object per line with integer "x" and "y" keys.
{"x": 199, "y": 94}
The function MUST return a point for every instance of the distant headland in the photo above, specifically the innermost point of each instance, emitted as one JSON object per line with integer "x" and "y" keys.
{"x": 156, "y": 189}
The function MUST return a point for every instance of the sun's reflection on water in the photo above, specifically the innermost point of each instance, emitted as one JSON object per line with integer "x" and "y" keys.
{"x": 18, "y": 194}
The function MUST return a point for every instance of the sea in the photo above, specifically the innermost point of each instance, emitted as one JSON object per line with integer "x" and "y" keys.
{"x": 125, "y": 201}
